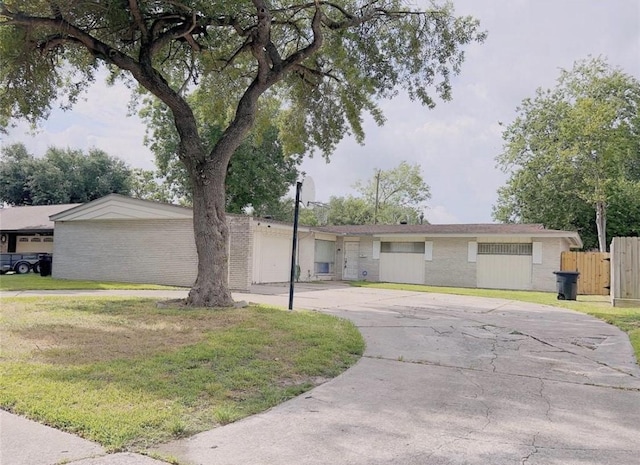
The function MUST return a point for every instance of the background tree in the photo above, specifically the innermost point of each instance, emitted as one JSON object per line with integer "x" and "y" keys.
{"x": 573, "y": 154}
{"x": 349, "y": 210}
{"x": 61, "y": 176}
{"x": 395, "y": 194}
{"x": 16, "y": 167}
{"x": 283, "y": 210}
{"x": 257, "y": 177}
{"x": 146, "y": 185}
{"x": 388, "y": 197}
{"x": 323, "y": 63}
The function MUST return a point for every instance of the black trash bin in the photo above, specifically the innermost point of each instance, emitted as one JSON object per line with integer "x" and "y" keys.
{"x": 567, "y": 284}
{"x": 45, "y": 264}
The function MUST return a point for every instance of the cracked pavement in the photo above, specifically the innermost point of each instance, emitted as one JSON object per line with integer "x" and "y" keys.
{"x": 449, "y": 380}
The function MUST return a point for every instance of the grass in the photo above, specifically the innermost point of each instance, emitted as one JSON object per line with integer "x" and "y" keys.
{"x": 627, "y": 319}
{"x": 33, "y": 281}
{"x": 128, "y": 375}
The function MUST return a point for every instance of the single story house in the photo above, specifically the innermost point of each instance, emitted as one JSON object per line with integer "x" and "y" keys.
{"x": 498, "y": 256}
{"x": 28, "y": 229}
{"x": 117, "y": 238}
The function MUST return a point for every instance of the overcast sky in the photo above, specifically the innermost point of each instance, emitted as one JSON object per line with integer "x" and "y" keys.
{"x": 456, "y": 143}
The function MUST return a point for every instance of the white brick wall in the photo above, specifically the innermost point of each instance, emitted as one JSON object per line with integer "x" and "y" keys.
{"x": 367, "y": 262}
{"x": 138, "y": 251}
{"x": 542, "y": 277}
{"x": 449, "y": 265}
{"x": 240, "y": 251}
{"x": 144, "y": 251}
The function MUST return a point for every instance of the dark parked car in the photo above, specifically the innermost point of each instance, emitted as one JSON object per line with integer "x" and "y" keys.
{"x": 19, "y": 262}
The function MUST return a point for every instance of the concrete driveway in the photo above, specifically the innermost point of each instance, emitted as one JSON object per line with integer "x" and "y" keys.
{"x": 449, "y": 380}
{"x": 444, "y": 380}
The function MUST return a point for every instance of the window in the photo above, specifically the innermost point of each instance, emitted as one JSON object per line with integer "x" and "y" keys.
{"x": 325, "y": 253}
{"x": 36, "y": 239}
{"x": 48, "y": 239}
{"x": 402, "y": 247}
{"x": 23, "y": 239}
{"x": 504, "y": 249}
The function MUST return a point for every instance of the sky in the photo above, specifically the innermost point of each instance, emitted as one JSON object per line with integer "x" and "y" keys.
{"x": 455, "y": 144}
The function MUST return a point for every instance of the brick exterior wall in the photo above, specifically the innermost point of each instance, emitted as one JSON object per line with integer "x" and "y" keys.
{"x": 144, "y": 251}
{"x": 366, "y": 261}
{"x": 137, "y": 251}
{"x": 542, "y": 277}
{"x": 450, "y": 266}
{"x": 240, "y": 252}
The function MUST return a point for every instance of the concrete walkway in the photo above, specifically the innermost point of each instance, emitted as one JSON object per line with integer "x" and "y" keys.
{"x": 444, "y": 380}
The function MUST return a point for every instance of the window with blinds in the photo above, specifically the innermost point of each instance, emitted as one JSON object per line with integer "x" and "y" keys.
{"x": 504, "y": 249}
{"x": 402, "y": 247}
{"x": 325, "y": 253}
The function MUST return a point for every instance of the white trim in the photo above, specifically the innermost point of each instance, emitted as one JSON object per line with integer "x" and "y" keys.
{"x": 119, "y": 207}
{"x": 376, "y": 250}
{"x": 323, "y": 236}
{"x": 536, "y": 253}
{"x": 428, "y": 251}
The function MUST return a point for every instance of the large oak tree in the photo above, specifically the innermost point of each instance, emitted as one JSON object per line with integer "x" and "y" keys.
{"x": 324, "y": 63}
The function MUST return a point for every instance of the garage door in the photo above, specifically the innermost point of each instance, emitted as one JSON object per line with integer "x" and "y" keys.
{"x": 271, "y": 258}
{"x": 34, "y": 244}
{"x": 504, "y": 265}
{"x": 402, "y": 262}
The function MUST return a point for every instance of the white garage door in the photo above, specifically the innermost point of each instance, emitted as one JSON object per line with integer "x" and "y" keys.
{"x": 504, "y": 266}
{"x": 271, "y": 258}
{"x": 402, "y": 262}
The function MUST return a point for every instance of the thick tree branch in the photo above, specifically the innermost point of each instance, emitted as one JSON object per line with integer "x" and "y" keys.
{"x": 302, "y": 54}
{"x": 260, "y": 36}
{"x": 181, "y": 31}
{"x": 139, "y": 22}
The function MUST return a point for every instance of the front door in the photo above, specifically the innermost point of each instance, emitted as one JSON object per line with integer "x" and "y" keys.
{"x": 351, "y": 252}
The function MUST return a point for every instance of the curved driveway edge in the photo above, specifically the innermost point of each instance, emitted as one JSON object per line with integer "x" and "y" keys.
{"x": 449, "y": 380}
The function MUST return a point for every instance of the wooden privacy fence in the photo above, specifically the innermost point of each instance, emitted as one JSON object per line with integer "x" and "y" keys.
{"x": 594, "y": 268}
{"x": 625, "y": 269}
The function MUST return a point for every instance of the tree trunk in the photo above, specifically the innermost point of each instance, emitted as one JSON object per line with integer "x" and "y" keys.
{"x": 211, "y": 236}
{"x": 601, "y": 225}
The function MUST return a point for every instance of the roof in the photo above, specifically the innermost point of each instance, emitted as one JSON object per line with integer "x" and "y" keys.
{"x": 30, "y": 219}
{"x": 121, "y": 207}
{"x": 457, "y": 230}
{"x": 489, "y": 228}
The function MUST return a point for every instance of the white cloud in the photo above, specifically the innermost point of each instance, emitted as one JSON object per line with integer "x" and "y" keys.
{"x": 438, "y": 214}
{"x": 99, "y": 120}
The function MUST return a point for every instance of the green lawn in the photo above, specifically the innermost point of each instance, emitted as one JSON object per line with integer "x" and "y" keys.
{"x": 627, "y": 319}
{"x": 127, "y": 374}
{"x": 33, "y": 281}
